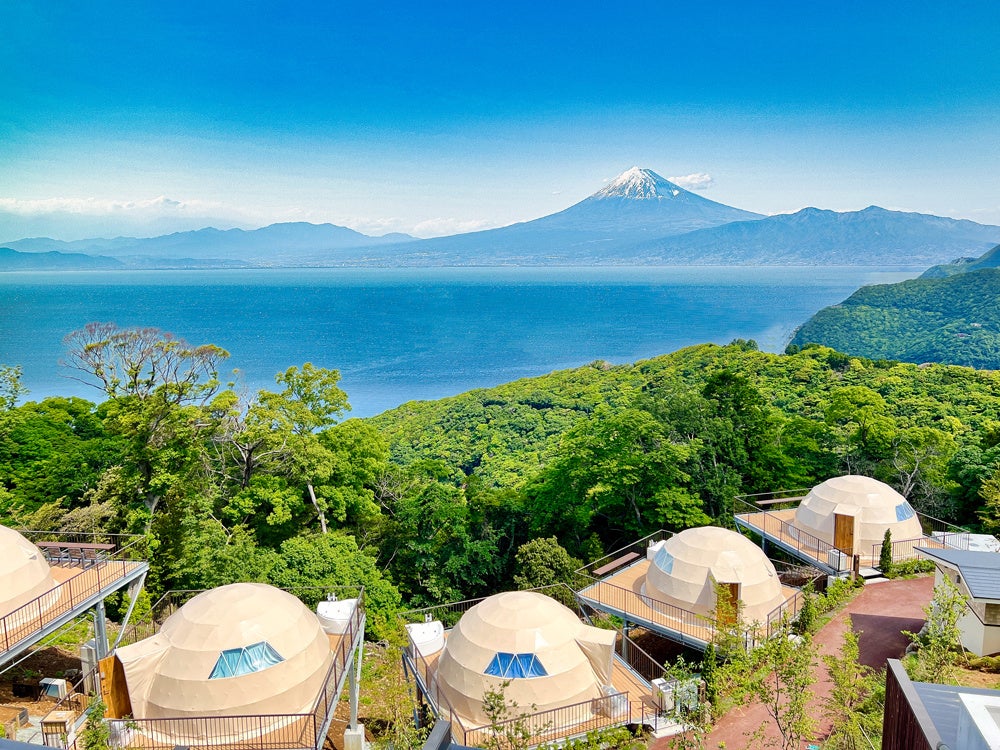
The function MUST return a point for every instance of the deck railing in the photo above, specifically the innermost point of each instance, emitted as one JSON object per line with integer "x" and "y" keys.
{"x": 822, "y": 551}
{"x": 303, "y": 731}
{"x": 777, "y": 528}
{"x": 783, "y": 614}
{"x": 124, "y": 546}
{"x": 637, "y": 548}
{"x": 637, "y": 659}
{"x": 670, "y": 616}
{"x": 556, "y": 723}
{"x": 26, "y": 620}
{"x": 439, "y": 703}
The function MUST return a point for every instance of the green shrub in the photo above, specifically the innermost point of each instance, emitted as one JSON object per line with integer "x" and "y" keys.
{"x": 907, "y": 568}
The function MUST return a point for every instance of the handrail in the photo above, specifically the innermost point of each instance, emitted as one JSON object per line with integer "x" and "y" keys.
{"x": 804, "y": 542}
{"x": 639, "y": 546}
{"x": 663, "y": 613}
{"x": 616, "y": 708}
{"x": 637, "y": 659}
{"x": 421, "y": 669}
{"x": 136, "y": 545}
{"x": 23, "y": 622}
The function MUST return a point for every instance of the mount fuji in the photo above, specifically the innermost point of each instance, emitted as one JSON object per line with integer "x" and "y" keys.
{"x": 638, "y": 205}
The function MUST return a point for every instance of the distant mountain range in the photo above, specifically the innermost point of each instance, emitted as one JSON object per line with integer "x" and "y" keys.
{"x": 640, "y": 218}
{"x": 953, "y": 318}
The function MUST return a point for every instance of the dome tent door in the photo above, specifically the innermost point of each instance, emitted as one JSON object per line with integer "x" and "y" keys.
{"x": 843, "y": 533}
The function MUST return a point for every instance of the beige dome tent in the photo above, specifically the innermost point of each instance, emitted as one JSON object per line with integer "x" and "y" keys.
{"x": 852, "y": 513}
{"x": 24, "y": 573}
{"x": 238, "y": 650}
{"x": 685, "y": 569}
{"x": 550, "y": 658}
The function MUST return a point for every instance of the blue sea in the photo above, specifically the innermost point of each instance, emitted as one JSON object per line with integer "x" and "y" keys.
{"x": 398, "y": 334}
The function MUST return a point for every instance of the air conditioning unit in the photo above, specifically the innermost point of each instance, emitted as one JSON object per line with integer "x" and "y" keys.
{"x": 836, "y": 559}
{"x": 53, "y": 687}
{"x": 663, "y": 695}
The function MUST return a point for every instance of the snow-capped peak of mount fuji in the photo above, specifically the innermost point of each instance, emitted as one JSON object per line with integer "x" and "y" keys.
{"x": 639, "y": 184}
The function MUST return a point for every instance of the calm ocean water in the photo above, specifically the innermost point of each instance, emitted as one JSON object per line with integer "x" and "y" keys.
{"x": 403, "y": 334}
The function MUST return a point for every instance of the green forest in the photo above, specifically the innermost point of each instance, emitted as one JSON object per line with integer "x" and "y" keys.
{"x": 495, "y": 488}
{"x": 955, "y": 319}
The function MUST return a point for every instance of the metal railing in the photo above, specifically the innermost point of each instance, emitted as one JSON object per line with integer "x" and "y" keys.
{"x": 602, "y": 594}
{"x": 302, "y": 731}
{"x": 784, "y": 613}
{"x": 22, "y": 623}
{"x": 422, "y": 671}
{"x": 557, "y": 723}
{"x": 773, "y": 526}
{"x": 638, "y": 547}
{"x": 125, "y": 546}
{"x": 637, "y": 659}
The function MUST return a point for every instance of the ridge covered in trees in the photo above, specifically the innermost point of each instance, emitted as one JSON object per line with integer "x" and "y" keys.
{"x": 491, "y": 489}
{"x": 952, "y": 319}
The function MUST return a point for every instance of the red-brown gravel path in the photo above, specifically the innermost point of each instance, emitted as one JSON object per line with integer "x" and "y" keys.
{"x": 879, "y": 613}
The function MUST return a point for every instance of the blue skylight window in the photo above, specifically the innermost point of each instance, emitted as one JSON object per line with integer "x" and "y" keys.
{"x": 904, "y": 511}
{"x": 664, "y": 560}
{"x": 511, "y": 666}
{"x": 234, "y": 662}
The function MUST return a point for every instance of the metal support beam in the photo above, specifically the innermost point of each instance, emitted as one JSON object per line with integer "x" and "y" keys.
{"x": 355, "y": 683}
{"x": 134, "y": 589}
{"x": 100, "y": 630}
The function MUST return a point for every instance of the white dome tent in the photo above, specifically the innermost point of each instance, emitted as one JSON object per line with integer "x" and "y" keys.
{"x": 550, "y": 658}
{"x": 24, "y": 573}
{"x": 685, "y": 569}
{"x": 240, "y": 650}
{"x": 853, "y": 512}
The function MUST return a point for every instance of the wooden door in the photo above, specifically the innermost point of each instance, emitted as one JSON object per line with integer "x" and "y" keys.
{"x": 727, "y": 614}
{"x": 114, "y": 689}
{"x": 843, "y": 533}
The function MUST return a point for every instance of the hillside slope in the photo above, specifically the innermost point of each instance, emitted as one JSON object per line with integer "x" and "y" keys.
{"x": 954, "y": 320}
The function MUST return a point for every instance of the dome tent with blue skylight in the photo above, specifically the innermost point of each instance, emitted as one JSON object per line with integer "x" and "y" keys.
{"x": 239, "y": 650}
{"x": 550, "y": 658}
{"x": 873, "y": 505}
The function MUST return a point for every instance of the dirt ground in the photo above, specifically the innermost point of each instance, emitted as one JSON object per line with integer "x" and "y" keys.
{"x": 49, "y": 662}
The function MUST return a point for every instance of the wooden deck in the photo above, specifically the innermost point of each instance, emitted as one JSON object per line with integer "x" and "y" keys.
{"x": 777, "y": 526}
{"x": 621, "y": 594}
{"x": 75, "y": 586}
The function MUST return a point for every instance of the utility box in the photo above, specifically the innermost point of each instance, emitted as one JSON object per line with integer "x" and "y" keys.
{"x": 57, "y": 729}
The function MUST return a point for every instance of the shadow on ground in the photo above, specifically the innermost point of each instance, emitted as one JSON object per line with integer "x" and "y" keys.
{"x": 882, "y": 637}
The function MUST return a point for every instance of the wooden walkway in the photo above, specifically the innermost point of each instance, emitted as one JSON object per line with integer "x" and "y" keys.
{"x": 777, "y": 526}
{"x": 74, "y": 587}
{"x": 621, "y": 594}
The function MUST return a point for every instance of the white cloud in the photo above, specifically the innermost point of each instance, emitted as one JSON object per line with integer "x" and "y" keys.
{"x": 440, "y": 227}
{"x": 158, "y": 206}
{"x": 693, "y": 181}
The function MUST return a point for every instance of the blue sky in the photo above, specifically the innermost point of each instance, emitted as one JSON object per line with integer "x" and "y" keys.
{"x": 437, "y": 117}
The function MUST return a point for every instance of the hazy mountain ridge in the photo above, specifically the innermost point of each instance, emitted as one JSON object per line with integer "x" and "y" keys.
{"x": 274, "y": 244}
{"x": 873, "y": 236}
{"x": 13, "y": 260}
{"x": 639, "y": 218}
